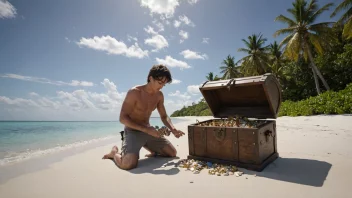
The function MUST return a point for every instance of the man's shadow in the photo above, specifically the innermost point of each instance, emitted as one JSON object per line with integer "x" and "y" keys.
{"x": 152, "y": 164}
{"x": 157, "y": 165}
{"x": 301, "y": 171}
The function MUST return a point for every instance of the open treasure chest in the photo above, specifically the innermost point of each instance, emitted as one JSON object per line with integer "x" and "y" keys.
{"x": 243, "y": 131}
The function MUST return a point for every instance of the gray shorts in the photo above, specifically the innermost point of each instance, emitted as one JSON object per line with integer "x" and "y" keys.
{"x": 134, "y": 140}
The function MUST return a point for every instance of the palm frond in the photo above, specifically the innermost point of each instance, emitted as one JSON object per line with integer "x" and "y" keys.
{"x": 286, "y": 40}
{"x": 293, "y": 47}
{"x": 285, "y": 31}
{"x": 246, "y": 43}
{"x": 345, "y": 17}
{"x": 321, "y": 28}
{"x": 347, "y": 30}
{"x": 343, "y": 5}
{"x": 315, "y": 40}
{"x": 318, "y": 12}
{"x": 243, "y": 50}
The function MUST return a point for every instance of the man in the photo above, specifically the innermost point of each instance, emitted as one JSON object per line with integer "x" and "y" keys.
{"x": 136, "y": 109}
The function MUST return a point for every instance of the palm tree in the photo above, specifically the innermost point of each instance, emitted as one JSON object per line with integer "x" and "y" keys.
{"x": 255, "y": 63}
{"x": 229, "y": 68}
{"x": 211, "y": 77}
{"x": 346, "y": 18}
{"x": 276, "y": 59}
{"x": 303, "y": 34}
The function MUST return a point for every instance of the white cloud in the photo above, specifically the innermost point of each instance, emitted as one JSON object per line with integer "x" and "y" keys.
{"x": 113, "y": 46}
{"x": 18, "y": 102}
{"x": 177, "y": 23}
{"x": 166, "y": 8}
{"x": 90, "y": 104}
{"x": 193, "y": 89}
{"x": 82, "y": 83}
{"x": 186, "y": 20}
{"x": 150, "y": 30}
{"x": 47, "y": 103}
{"x": 171, "y": 62}
{"x": 192, "y": 2}
{"x": 159, "y": 25}
{"x": 199, "y": 99}
{"x": 130, "y": 38}
{"x": 205, "y": 40}
{"x": 7, "y": 10}
{"x": 178, "y": 94}
{"x": 174, "y": 105}
{"x": 33, "y": 94}
{"x": 184, "y": 35}
{"x": 188, "y": 54}
{"x": 157, "y": 41}
{"x": 48, "y": 81}
{"x": 175, "y": 81}
{"x": 112, "y": 90}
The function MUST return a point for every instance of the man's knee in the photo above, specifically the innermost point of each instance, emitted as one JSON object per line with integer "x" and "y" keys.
{"x": 129, "y": 166}
{"x": 129, "y": 162}
{"x": 170, "y": 150}
{"x": 173, "y": 152}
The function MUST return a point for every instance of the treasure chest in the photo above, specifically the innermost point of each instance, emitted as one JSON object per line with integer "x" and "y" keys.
{"x": 243, "y": 131}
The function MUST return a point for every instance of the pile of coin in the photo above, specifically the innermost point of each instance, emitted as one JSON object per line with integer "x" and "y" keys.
{"x": 196, "y": 166}
{"x": 233, "y": 122}
{"x": 164, "y": 131}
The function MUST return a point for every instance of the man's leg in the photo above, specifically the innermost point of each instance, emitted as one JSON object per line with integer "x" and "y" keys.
{"x": 160, "y": 147}
{"x": 133, "y": 142}
{"x": 125, "y": 162}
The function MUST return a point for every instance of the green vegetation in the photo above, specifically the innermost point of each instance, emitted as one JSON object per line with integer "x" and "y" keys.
{"x": 326, "y": 103}
{"x": 313, "y": 63}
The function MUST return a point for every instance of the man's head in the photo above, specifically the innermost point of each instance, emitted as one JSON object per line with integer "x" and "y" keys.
{"x": 158, "y": 76}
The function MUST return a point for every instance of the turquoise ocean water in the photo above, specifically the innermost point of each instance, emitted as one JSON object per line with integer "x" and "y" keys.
{"x": 23, "y": 140}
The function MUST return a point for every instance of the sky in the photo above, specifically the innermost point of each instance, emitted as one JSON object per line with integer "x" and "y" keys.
{"x": 75, "y": 60}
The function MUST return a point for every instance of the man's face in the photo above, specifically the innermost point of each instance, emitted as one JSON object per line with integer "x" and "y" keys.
{"x": 158, "y": 84}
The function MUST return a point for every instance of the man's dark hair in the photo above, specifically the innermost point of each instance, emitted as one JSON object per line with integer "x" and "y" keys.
{"x": 158, "y": 72}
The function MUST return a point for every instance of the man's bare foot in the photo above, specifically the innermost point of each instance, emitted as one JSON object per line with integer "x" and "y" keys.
{"x": 111, "y": 155}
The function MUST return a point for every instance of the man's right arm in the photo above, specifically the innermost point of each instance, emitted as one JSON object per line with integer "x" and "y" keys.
{"x": 127, "y": 108}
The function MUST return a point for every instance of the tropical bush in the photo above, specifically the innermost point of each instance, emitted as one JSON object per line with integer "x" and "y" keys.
{"x": 329, "y": 102}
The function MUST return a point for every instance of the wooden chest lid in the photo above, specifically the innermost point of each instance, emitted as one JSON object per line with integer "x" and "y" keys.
{"x": 252, "y": 97}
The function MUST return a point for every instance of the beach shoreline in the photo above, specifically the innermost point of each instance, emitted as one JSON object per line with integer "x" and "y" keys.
{"x": 314, "y": 160}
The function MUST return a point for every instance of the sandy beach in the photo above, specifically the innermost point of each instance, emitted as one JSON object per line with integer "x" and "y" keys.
{"x": 315, "y": 161}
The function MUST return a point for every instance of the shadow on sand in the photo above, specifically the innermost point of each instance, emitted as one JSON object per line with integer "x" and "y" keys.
{"x": 154, "y": 165}
{"x": 301, "y": 171}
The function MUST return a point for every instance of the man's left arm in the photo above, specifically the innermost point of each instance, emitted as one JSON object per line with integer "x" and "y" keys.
{"x": 166, "y": 119}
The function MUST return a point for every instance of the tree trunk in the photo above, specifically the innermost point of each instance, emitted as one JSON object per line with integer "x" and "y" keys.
{"x": 316, "y": 80}
{"x": 315, "y": 68}
{"x": 262, "y": 66}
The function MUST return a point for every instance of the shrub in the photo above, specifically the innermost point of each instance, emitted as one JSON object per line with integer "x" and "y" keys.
{"x": 326, "y": 103}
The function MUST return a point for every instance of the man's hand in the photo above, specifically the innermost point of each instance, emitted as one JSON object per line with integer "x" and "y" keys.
{"x": 153, "y": 132}
{"x": 177, "y": 133}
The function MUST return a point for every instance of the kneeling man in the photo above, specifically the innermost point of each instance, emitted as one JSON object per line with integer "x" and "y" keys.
{"x": 136, "y": 110}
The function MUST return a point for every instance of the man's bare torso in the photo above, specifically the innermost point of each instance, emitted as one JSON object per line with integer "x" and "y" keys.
{"x": 145, "y": 103}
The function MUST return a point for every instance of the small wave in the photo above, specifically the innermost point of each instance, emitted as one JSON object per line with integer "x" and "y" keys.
{"x": 15, "y": 157}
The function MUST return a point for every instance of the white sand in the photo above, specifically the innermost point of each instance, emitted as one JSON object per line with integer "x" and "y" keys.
{"x": 315, "y": 161}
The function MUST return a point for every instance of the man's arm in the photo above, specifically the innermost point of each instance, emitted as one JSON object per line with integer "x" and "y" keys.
{"x": 163, "y": 115}
{"x": 127, "y": 108}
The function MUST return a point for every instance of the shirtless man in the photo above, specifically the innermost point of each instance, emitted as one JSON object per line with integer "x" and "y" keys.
{"x": 136, "y": 109}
